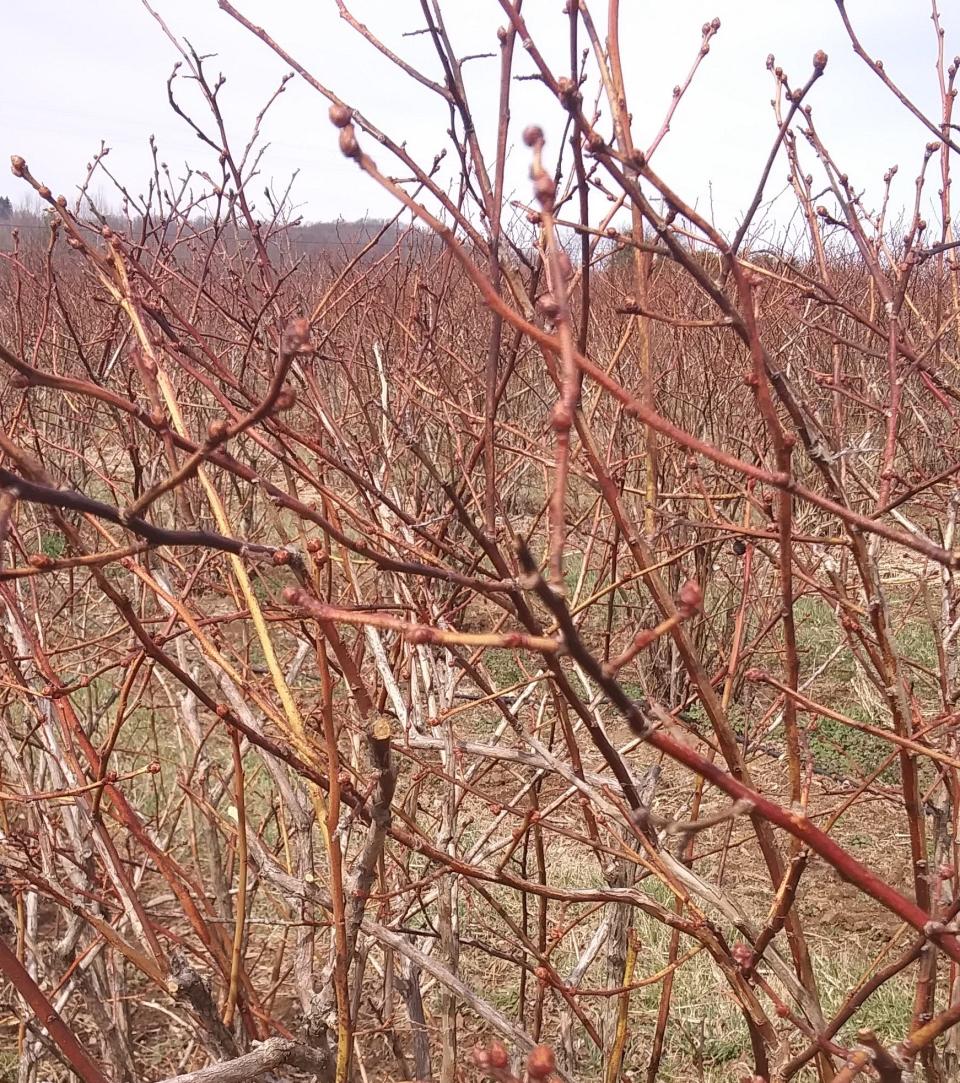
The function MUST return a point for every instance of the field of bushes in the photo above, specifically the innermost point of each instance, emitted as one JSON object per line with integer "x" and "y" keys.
{"x": 517, "y": 639}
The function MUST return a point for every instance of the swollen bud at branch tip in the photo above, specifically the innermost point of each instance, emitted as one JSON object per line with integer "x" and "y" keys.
{"x": 349, "y": 146}
{"x": 533, "y": 135}
{"x": 340, "y": 115}
{"x": 17, "y": 165}
{"x": 742, "y": 954}
{"x": 217, "y": 431}
{"x": 498, "y": 1056}
{"x": 348, "y": 142}
{"x": 295, "y": 337}
{"x": 541, "y": 1062}
{"x": 691, "y": 596}
{"x": 819, "y": 60}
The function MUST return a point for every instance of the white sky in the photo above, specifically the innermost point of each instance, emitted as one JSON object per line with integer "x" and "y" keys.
{"x": 78, "y": 71}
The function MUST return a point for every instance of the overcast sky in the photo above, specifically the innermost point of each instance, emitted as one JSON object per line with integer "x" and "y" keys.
{"x": 78, "y": 71}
